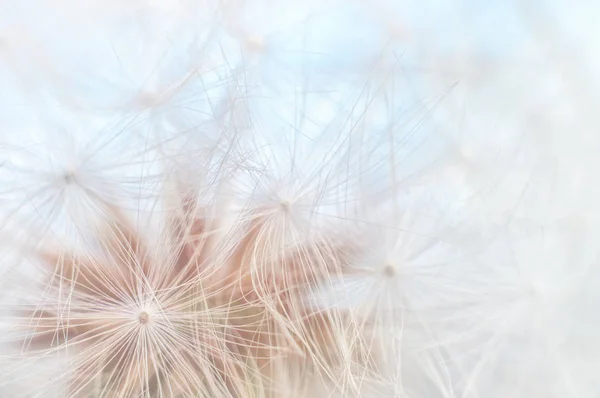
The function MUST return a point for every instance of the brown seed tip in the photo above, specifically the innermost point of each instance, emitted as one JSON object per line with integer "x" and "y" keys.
{"x": 285, "y": 205}
{"x": 389, "y": 270}
{"x": 143, "y": 318}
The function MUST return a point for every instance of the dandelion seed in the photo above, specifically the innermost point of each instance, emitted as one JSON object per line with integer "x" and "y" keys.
{"x": 143, "y": 318}
{"x": 389, "y": 270}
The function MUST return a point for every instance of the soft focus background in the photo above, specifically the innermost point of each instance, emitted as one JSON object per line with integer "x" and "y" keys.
{"x": 478, "y": 119}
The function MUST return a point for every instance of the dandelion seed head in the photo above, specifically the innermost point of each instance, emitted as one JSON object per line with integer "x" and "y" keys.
{"x": 143, "y": 317}
{"x": 321, "y": 145}
{"x": 285, "y": 205}
{"x": 256, "y": 44}
{"x": 390, "y": 270}
{"x": 149, "y": 99}
{"x": 69, "y": 177}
